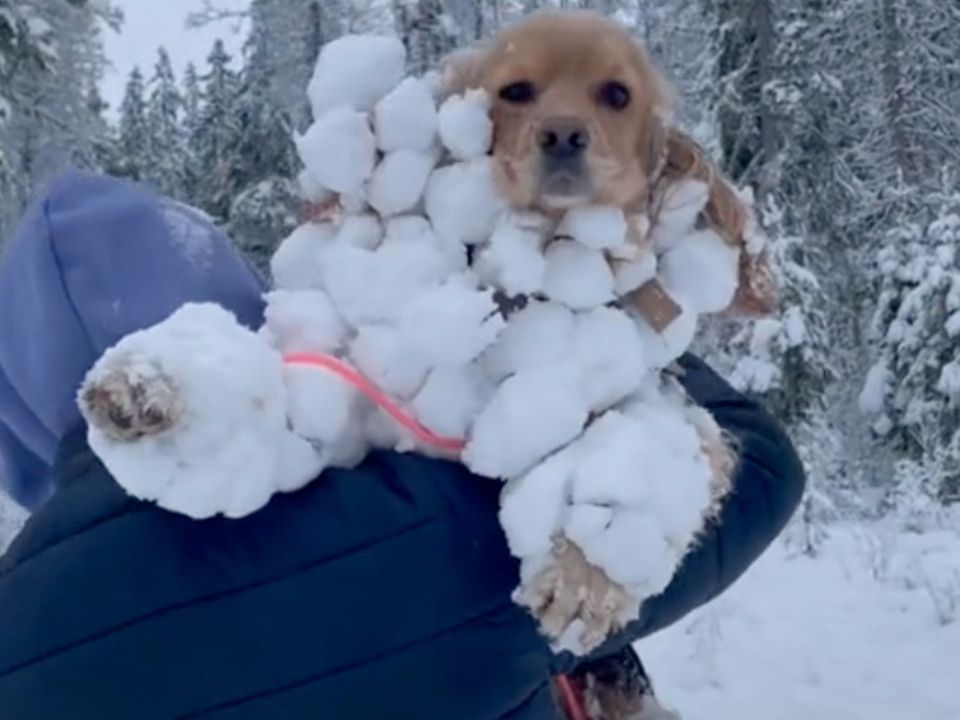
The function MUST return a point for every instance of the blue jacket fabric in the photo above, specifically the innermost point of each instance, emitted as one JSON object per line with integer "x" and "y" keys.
{"x": 378, "y": 592}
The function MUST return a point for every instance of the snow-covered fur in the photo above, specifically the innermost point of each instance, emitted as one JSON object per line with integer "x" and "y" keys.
{"x": 510, "y": 328}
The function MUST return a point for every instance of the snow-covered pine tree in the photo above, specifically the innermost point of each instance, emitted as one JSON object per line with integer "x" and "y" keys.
{"x": 134, "y": 147}
{"x": 261, "y": 164}
{"x": 373, "y": 16}
{"x": 192, "y": 116}
{"x": 168, "y": 152}
{"x": 428, "y": 32}
{"x": 216, "y": 133}
{"x": 286, "y": 37}
{"x": 50, "y": 55}
{"x": 912, "y": 393}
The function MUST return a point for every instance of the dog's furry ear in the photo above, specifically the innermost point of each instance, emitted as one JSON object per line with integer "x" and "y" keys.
{"x": 463, "y": 69}
{"x": 727, "y": 214}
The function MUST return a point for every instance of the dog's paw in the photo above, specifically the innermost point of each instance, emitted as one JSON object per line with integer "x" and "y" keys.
{"x": 130, "y": 400}
{"x": 576, "y": 604}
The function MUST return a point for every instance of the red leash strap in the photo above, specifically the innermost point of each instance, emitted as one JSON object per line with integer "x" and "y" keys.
{"x": 570, "y": 699}
{"x": 376, "y": 396}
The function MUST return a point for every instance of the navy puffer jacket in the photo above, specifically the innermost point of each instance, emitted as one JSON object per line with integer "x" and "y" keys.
{"x": 378, "y": 592}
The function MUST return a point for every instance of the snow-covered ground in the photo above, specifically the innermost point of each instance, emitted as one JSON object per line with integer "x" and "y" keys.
{"x": 868, "y": 630}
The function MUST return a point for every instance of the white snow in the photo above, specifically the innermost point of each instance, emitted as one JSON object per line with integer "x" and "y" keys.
{"x": 526, "y": 419}
{"x": 399, "y": 181}
{"x": 339, "y": 150}
{"x": 703, "y": 268}
{"x": 465, "y": 126}
{"x": 357, "y": 71}
{"x": 406, "y": 119}
{"x": 231, "y": 449}
{"x": 462, "y": 201}
{"x": 595, "y": 226}
{"x": 862, "y": 631}
{"x": 298, "y": 263}
{"x": 874, "y": 394}
{"x": 577, "y": 276}
{"x": 513, "y": 259}
{"x": 303, "y": 321}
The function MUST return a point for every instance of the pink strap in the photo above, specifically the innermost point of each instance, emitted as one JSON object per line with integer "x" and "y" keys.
{"x": 377, "y": 396}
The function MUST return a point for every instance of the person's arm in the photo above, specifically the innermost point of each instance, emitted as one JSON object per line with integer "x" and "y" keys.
{"x": 767, "y": 489}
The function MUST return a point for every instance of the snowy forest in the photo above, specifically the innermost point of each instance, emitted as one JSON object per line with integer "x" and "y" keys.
{"x": 841, "y": 117}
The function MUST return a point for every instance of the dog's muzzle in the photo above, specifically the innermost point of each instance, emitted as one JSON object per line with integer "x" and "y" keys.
{"x": 564, "y": 177}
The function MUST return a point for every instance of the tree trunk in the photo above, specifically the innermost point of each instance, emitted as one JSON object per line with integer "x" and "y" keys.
{"x": 895, "y": 94}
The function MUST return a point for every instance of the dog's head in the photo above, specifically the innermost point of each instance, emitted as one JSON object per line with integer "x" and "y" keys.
{"x": 580, "y": 117}
{"x": 575, "y": 109}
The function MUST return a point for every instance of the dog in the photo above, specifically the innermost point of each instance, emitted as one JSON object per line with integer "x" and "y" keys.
{"x": 581, "y": 116}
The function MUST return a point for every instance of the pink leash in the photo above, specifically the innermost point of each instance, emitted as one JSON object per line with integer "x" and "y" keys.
{"x": 377, "y": 396}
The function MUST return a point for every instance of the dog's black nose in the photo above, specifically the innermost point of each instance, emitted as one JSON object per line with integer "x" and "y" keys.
{"x": 563, "y": 138}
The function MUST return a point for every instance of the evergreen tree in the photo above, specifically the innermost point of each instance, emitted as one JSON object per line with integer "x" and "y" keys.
{"x": 164, "y": 108}
{"x": 134, "y": 147}
{"x": 261, "y": 162}
{"x": 216, "y": 133}
{"x": 192, "y": 94}
{"x": 427, "y": 32}
{"x": 50, "y": 55}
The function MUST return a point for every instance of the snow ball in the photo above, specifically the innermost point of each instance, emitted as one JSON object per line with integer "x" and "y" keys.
{"x": 297, "y": 264}
{"x": 327, "y": 411}
{"x": 450, "y": 399}
{"x": 362, "y": 231}
{"x": 451, "y": 323}
{"x": 303, "y": 321}
{"x": 224, "y": 454}
{"x": 355, "y": 70}
{"x": 609, "y": 354}
{"x": 595, "y": 226}
{"x": 530, "y": 415}
{"x": 311, "y": 189}
{"x": 540, "y": 334}
{"x": 339, "y": 150}
{"x": 462, "y": 201}
{"x": 406, "y": 119}
{"x": 632, "y": 275}
{"x": 465, "y": 125}
{"x": 532, "y": 507}
{"x": 383, "y": 356}
{"x": 513, "y": 261}
{"x": 577, "y": 276}
{"x": 704, "y": 268}
{"x": 662, "y": 348}
{"x": 678, "y": 211}
{"x": 399, "y": 181}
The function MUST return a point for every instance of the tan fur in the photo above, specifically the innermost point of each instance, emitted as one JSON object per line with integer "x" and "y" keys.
{"x": 128, "y": 405}
{"x": 632, "y": 158}
{"x": 569, "y": 588}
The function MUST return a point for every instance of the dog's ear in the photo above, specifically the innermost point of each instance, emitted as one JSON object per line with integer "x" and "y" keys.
{"x": 729, "y": 215}
{"x": 463, "y": 69}
{"x": 756, "y": 294}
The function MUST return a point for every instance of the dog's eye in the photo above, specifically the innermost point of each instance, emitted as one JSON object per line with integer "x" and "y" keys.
{"x": 614, "y": 95}
{"x": 518, "y": 92}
